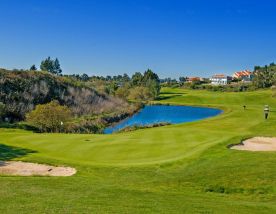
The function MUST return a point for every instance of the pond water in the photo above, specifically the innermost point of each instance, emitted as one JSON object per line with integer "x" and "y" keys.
{"x": 162, "y": 113}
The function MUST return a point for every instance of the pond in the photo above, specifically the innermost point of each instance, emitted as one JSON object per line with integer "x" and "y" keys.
{"x": 163, "y": 113}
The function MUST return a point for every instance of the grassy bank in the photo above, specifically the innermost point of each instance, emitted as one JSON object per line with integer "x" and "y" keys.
{"x": 184, "y": 168}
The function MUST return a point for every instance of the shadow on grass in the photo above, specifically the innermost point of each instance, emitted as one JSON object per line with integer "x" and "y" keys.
{"x": 23, "y": 126}
{"x": 178, "y": 93}
{"x": 10, "y": 152}
{"x": 168, "y": 97}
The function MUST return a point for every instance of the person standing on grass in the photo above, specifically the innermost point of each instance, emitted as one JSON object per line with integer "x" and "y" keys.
{"x": 266, "y": 111}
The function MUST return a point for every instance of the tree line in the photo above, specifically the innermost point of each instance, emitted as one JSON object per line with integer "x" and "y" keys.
{"x": 140, "y": 86}
{"x": 265, "y": 76}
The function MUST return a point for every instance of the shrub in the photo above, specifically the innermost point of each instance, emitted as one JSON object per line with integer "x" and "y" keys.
{"x": 122, "y": 92}
{"x": 2, "y": 110}
{"x": 140, "y": 93}
{"x": 50, "y": 117}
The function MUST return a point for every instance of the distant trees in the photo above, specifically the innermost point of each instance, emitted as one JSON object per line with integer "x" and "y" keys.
{"x": 84, "y": 77}
{"x": 150, "y": 75}
{"x": 182, "y": 79}
{"x": 33, "y": 68}
{"x": 137, "y": 79}
{"x": 264, "y": 77}
{"x": 2, "y": 110}
{"x": 52, "y": 66}
{"x": 125, "y": 87}
{"x": 50, "y": 117}
{"x": 140, "y": 87}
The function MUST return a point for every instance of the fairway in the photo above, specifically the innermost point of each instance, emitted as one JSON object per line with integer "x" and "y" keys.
{"x": 182, "y": 168}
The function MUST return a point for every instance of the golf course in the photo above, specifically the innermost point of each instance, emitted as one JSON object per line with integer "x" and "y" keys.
{"x": 180, "y": 168}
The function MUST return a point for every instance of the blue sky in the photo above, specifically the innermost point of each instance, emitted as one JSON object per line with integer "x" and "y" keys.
{"x": 172, "y": 37}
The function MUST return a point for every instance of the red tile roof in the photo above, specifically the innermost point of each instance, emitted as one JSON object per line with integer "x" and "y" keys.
{"x": 242, "y": 73}
{"x": 219, "y": 76}
{"x": 191, "y": 79}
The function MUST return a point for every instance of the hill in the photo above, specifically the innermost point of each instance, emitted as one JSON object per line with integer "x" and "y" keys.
{"x": 21, "y": 91}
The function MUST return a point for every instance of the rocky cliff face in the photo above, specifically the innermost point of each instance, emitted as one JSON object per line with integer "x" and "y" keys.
{"x": 21, "y": 91}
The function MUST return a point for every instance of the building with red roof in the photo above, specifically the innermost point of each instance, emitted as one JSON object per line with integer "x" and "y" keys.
{"x": 193, "y": 79}
{"x": 245, "y": 75}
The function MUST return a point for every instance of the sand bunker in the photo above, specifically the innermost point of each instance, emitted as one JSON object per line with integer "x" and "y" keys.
{"x": 29, "y": 169}
{"x": 257, "y": 144}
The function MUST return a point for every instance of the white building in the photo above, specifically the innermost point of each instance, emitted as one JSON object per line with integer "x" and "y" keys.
{"x": 220, "y": 79}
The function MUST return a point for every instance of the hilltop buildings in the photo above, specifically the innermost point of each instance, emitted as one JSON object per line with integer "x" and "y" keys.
{"x": 222, "y": 79}
{"x": 245, "y": 76}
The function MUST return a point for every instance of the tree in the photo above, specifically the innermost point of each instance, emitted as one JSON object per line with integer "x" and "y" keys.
{"x": 152, "y": 82}
{"x": 108, "y": 78}
{"x": 150, "y": 75}
{"x": 84, "y": 77}
{"x": 33, "y": 68}
{"x": 57, "y": 69}
{"x": 52, "y": 66}
{"x": 264, "y": 77}
{"x": 111, "y": 88}
{"x": 123, "y": 91}
{"x": 140, "y": 93}
{"x": 50, "y": 117}
{"x": 125, "y": 78}
{"x": 154, "y": 88}
{"x": 2, "y": 110}
{"x": 182, "y": 79}
{"x": 136, "y": 79}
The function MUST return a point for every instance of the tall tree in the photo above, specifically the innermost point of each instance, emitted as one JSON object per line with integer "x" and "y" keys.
{"x": 33, "y": 68}
{"x": 84, "y": 77}
{"x": 136, "y": 79}
{"x": 52, "y": 66}
{"x": 125, "y": 78}
{"x": 150, "y": 75}
{"x": 152, "y": 81}
{"x": 182, "y": 79}
{"x": 57, "y": 68}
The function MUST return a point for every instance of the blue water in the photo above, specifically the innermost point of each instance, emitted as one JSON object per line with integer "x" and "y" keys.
{"x": 162, "y": 113}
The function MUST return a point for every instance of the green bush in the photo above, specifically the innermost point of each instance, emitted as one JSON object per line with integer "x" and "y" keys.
{"x": 50, "y": 117}
{"x": 2, "y": 111}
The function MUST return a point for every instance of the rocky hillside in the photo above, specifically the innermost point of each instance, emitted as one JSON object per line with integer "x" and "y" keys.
{"x": 21, "y": 91}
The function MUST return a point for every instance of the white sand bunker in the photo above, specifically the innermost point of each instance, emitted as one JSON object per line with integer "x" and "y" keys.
{"x": 29, "y": 169}
{"x": 257, "y": 144}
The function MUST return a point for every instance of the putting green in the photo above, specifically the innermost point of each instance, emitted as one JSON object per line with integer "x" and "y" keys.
{"x": 177, "y": 168}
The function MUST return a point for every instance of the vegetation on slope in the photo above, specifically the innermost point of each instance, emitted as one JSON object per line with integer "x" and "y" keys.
{"x": 21, "y": 91}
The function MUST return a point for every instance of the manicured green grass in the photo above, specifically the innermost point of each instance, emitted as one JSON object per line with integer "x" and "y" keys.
{"x": 184, "y": 168}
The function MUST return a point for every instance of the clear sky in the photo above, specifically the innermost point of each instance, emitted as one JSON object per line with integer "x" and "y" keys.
{"x": 172, "y": 37}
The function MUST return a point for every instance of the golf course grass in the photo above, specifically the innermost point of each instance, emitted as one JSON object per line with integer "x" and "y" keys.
{"x": 183, "y": 168}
